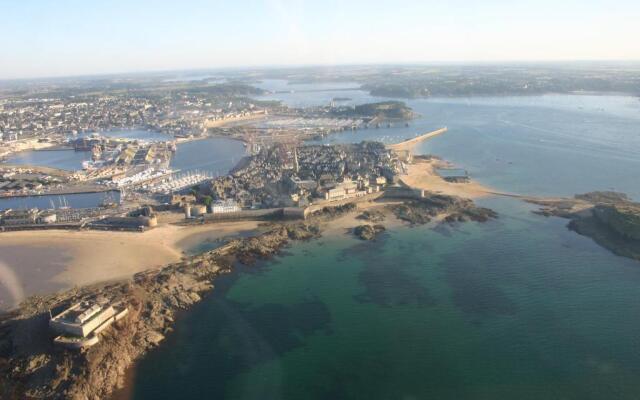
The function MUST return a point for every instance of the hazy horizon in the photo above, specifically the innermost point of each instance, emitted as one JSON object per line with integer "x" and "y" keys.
{"x": 258, "y": 67}
{"x": 73, "y": 38}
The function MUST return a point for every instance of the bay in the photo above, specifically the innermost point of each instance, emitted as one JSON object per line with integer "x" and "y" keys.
{"x": 519, "y": 307}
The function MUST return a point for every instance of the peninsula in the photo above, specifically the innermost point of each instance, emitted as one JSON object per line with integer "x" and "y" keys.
{"x": 32, "y": 364}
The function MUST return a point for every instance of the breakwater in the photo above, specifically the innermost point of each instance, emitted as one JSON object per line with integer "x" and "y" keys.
{"x": 409, "y": 144}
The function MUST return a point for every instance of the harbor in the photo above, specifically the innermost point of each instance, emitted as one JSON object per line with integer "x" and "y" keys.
{"x": 176, "y": 182}
{"x": 57, "y": 201}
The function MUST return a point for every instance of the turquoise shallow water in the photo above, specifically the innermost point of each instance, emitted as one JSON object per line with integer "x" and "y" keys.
{"x": 518, "y": 308}
{"x": 515, "y": 308}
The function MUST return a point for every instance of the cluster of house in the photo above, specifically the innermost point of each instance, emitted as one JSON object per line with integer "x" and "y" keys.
{"x": 24, "y": 181}
{"x": 41, "y": 117}
{"x": 289, "y": 175}
{"x": 176, "y": 113}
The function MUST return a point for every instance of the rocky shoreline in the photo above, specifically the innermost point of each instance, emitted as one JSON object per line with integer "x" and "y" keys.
{"x": 452, "y": 208}
{"x": 31, "y": 367}
{"x": 368, "y": 232}
{"x": 610, "y": 219}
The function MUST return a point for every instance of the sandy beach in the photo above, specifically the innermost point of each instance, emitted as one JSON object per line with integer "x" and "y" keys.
{"x": 39, "y": 262}
{"x": 421, "y": 174}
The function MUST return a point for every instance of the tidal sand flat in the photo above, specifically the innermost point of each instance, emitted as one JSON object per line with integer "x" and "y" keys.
{"x": 41, "y": 262}
{"x": 47, "y": 261}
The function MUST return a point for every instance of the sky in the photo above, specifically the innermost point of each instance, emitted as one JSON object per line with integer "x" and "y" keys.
{"x": 44, "y": 38}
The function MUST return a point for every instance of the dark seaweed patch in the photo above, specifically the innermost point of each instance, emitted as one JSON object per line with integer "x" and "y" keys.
{"x": 256, "y": 334}
{"x": 386, "y": 281}
{"x": 387, "y": 284}
{"x": 474, "y": 293}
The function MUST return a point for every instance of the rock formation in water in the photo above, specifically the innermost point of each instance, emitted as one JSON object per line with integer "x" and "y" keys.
{"x": 372, "y": 216}
{"x": 609, "y": 218}
{"x": 453, "y": 208}
{"x": 368, "y": 232}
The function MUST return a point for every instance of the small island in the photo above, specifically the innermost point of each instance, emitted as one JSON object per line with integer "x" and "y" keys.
{"x": 611, "y": 219}
{"x": 368, "y": 232}
{"x": 385, "y": 111}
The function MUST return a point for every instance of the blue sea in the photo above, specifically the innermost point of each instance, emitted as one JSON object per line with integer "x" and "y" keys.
{"x": 551, "y": 145}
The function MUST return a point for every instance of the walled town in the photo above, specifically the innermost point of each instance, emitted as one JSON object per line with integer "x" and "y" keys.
{"x": 135, "y": 177}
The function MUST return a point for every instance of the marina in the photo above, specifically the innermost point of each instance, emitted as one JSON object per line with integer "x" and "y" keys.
{"x": 177, "y": 182}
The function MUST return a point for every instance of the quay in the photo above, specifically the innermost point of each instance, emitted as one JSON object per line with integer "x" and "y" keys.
{"x": 62, "y": 192}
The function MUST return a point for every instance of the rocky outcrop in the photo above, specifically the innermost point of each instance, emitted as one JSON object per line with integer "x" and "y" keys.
{"x": 609, "y": 218}
{"x": 329, "y": 212}
{"x": 368, "y": 232}
{"x": 372, "y": 216}
{"x": 30, "y": 367}
{"x": 624, "y": 219}
{"x": 452, "y": 208}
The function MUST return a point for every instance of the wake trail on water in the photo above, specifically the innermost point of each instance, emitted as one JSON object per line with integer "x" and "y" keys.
{"x": 588, "y": 144}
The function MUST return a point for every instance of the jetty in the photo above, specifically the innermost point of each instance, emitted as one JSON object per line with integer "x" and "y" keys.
{"x": 409, "y": 144}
